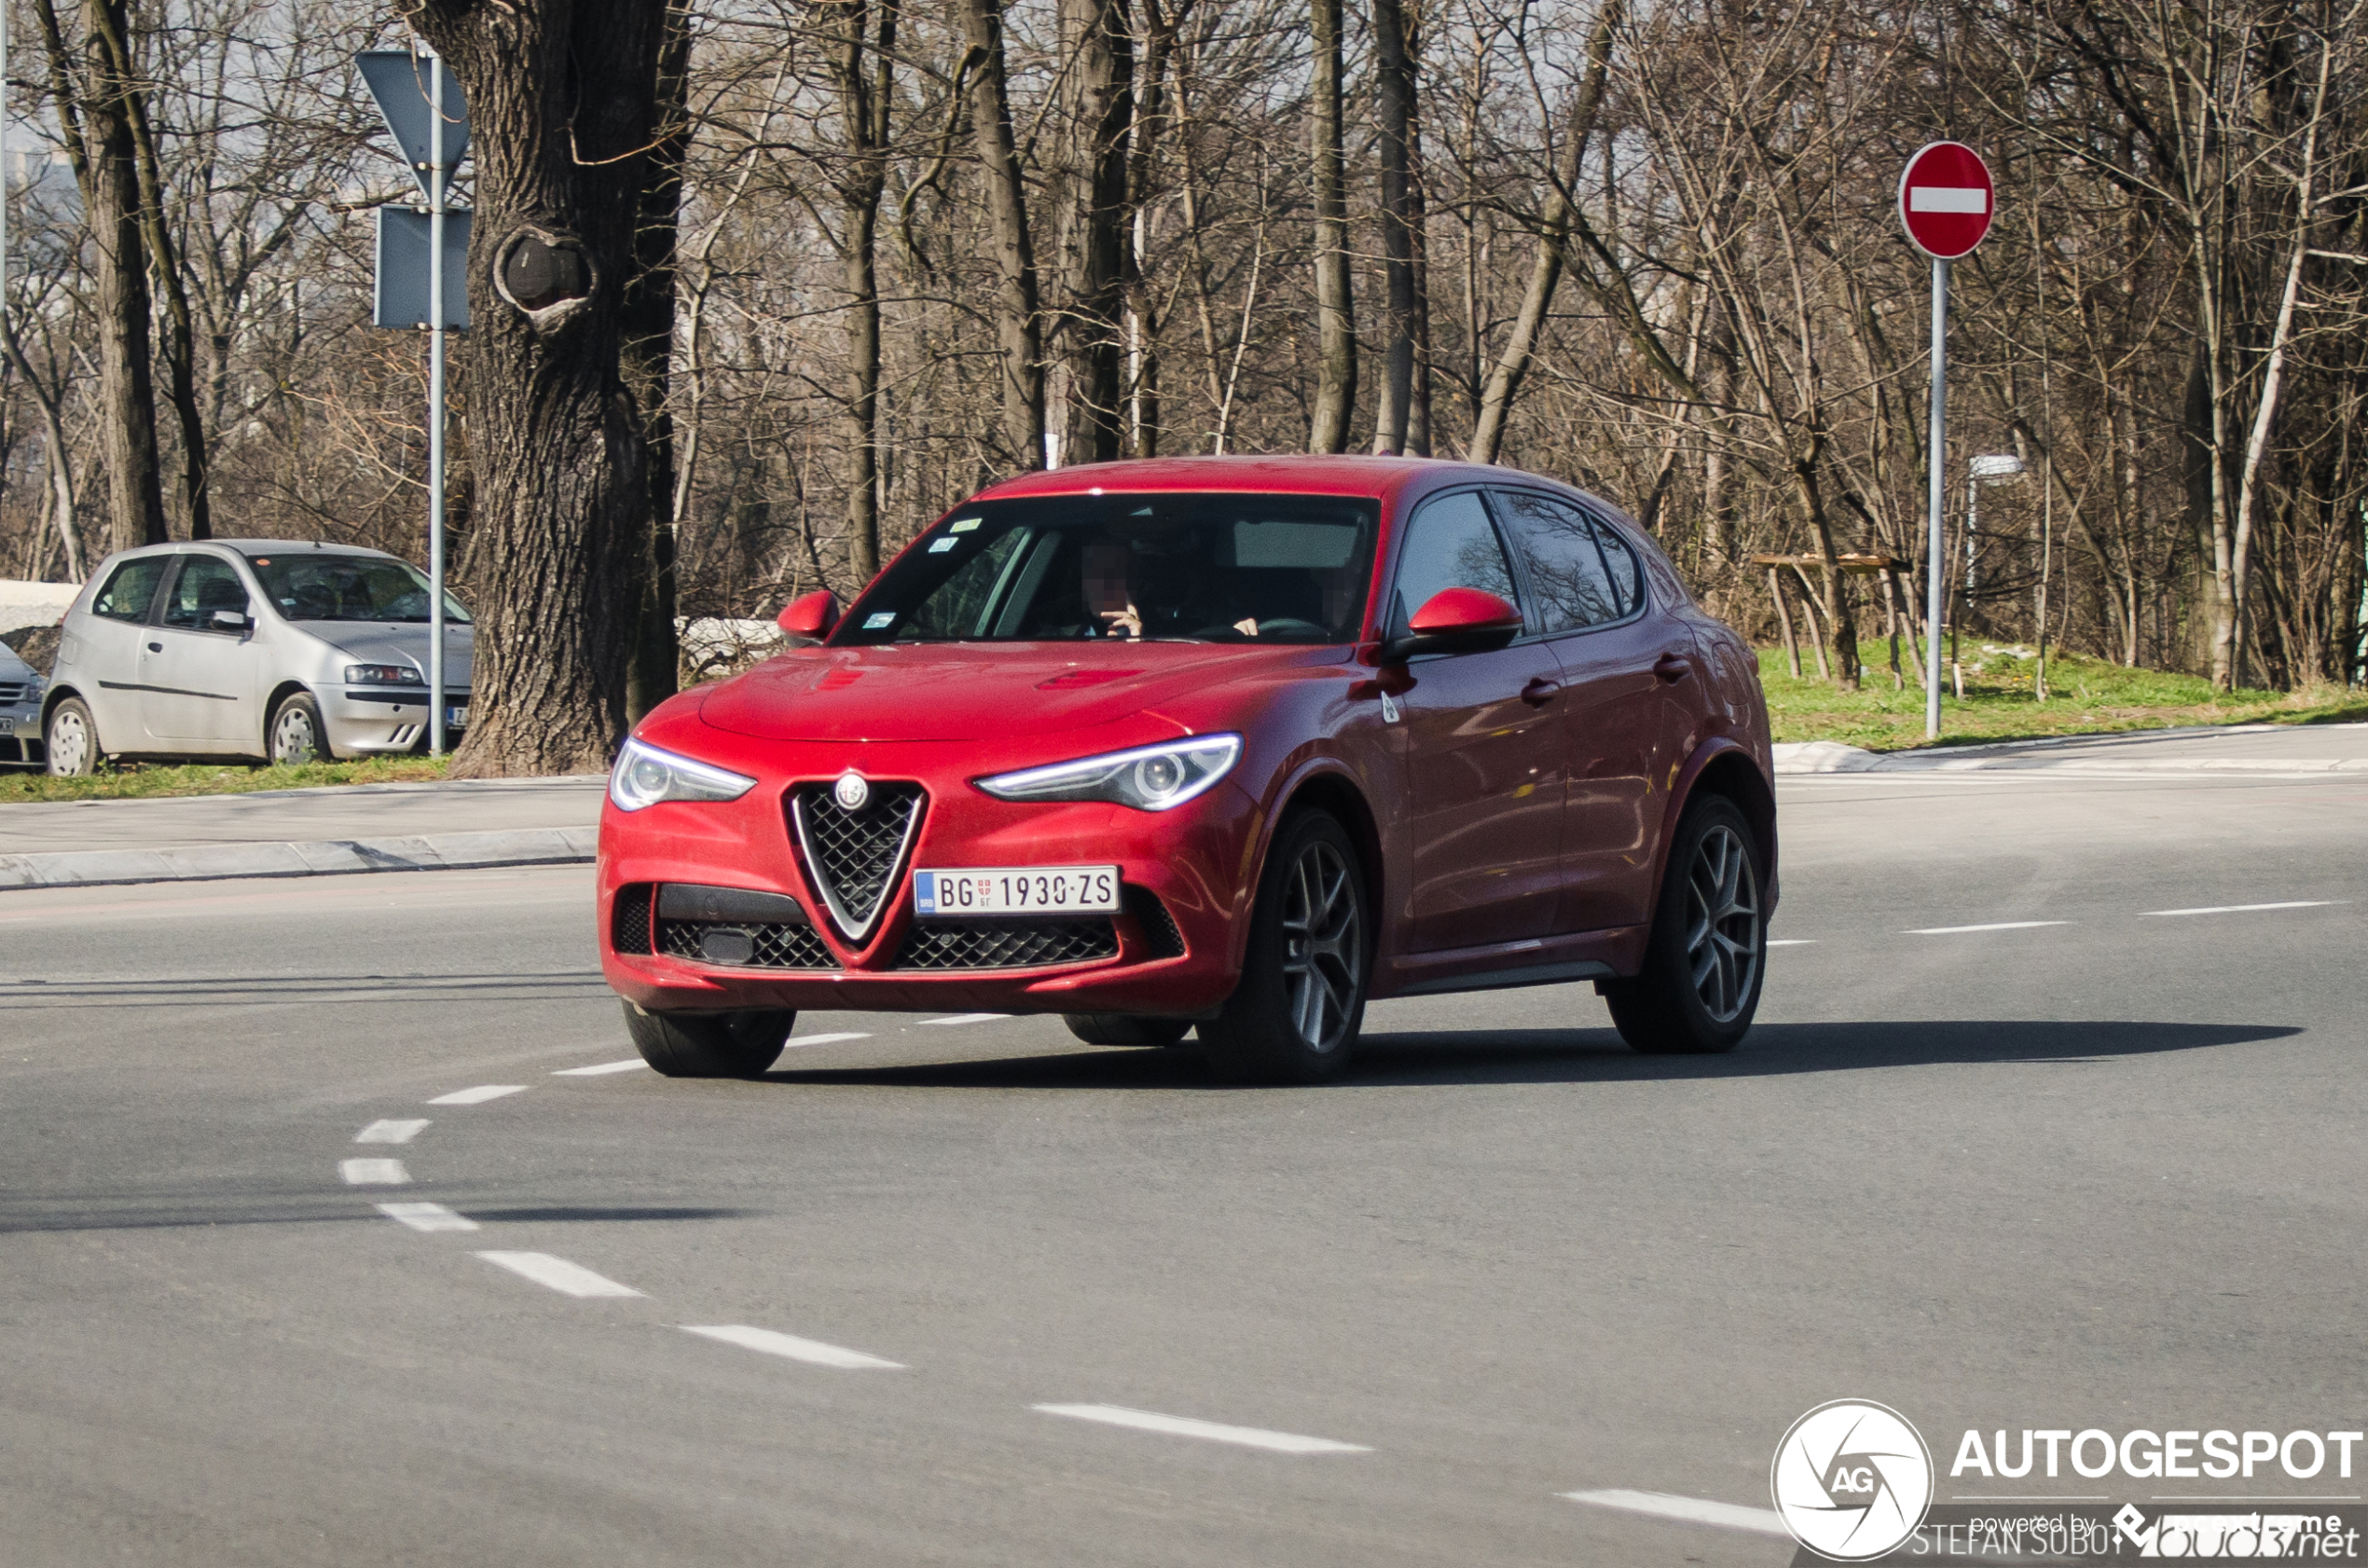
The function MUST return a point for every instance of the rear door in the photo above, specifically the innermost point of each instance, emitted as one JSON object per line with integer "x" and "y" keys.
{"x": 1483, "y": 750}
{"x": 1629, "y": 678}
{"x": 109, "y": 643}
{"x": 198, "y": 676}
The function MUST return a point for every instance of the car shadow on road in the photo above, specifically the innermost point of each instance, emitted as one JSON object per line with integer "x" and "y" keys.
{"x": 1418, "y": 1057}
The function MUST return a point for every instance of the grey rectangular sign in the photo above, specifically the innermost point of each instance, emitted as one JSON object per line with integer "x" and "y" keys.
{"x": 401, "y": 298}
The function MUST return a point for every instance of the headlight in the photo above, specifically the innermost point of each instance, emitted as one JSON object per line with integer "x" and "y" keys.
{"x": 382, "y": 675}
{"x": 1149, "y": 778}
{"x": 644, "y": 776}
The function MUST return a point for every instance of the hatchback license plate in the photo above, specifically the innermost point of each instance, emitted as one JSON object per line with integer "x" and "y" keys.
{"x": 1016, "y": 891}
{"x": 455, "y": 718}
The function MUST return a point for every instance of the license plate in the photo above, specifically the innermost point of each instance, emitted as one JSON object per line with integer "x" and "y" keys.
{"x": 8, "y": 726}
{"x": 455, "y": 717}
{"x": 1017, "y": 890}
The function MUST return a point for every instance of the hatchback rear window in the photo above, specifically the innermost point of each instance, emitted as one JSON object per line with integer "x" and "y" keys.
{"x": 1186, "y": 567}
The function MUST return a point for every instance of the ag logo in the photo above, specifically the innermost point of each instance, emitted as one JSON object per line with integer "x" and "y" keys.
{"x": 1852, "y": 1481}
{"x": 851, "y": 791}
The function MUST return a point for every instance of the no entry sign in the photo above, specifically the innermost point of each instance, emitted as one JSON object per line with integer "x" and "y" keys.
{"x": 1946, "y": 199}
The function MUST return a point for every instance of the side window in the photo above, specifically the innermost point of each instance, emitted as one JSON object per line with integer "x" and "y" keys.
{"x": 1557, "y": 542}
{"x": 206, "y": 584}
{"x": 1450, "y": 545}
{"x": 1628, "y": 572}
{"x": 127, "y": 593}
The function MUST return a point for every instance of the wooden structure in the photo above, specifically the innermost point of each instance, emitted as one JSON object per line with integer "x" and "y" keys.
{"x": 1894, "y": 575}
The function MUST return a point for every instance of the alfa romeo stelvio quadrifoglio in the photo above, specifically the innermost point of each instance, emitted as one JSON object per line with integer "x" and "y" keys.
{"x": 1218, "y": 745}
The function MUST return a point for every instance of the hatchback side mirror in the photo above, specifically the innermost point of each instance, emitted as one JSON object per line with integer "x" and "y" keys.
{"x": 1455, "y": 621}
{"x": 231, "y": 620}
{"x": 812, "y": 616}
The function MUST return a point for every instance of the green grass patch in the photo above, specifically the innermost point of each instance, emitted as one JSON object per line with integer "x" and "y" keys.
{"x": 2085, "y": 696}
{"x": 149, "y": 781}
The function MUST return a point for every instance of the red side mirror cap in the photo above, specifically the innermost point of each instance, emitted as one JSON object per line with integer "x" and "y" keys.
{"x": 1451, "y": 611}
{"x": 811, "y": 615}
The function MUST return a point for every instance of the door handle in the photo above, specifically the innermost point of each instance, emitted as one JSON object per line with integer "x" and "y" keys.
{"x": 1673, "y": 666}
{"x": 156, "y": 647}
{"x": 1540, "y": 690}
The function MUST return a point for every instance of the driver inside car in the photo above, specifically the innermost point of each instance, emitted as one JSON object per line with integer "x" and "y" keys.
{"x": 1135, "y": 589}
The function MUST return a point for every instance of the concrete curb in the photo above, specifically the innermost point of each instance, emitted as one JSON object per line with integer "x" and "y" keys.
{"x": 1832, "y": 756}
{"x": 527, "y": 846}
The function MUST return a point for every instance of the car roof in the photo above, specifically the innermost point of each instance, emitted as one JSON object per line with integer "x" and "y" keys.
{"x": 250, "y": 546}
{"x": 1293, "y": 473}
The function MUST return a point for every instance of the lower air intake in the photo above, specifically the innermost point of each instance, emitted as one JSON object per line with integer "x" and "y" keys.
{"x": 1005, "y": 944}
{"x": 760, "y": 946}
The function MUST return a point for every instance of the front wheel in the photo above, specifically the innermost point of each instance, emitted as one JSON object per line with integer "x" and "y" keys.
{"x": 1707, "y": 954}
{"x": 70, "y": 742}
{"x": 1295, "y": 1017}
{"x": 297, "y": 736}
{"x": 708, "y": 1044}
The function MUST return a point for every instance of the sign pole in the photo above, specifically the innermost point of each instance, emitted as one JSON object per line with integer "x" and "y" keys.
{"x": 1935, "y": 487}
{"x": 436, "y": 204}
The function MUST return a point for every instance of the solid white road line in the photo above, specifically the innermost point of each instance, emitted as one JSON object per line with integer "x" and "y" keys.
{"x": 1994, "y": 925}
{"x": 427, "y": 1216}
{"x": 391, "y": 1132}
{"x": 599, "y": 1069}
{"x": 1794, "y": 942}
{"x": 1693, "y": 1511}
{"x": 1213, "y": 1431}
{"x": 830, "y": 1039}
{"x": 478, "y": 1095}
{"x": 812, "y": 1351}
{"x": 2247, "y": 908}
{"x": 569, "y": 1279}
{"x": 968, "y": 1018}
{"x": 373, "y": 1173}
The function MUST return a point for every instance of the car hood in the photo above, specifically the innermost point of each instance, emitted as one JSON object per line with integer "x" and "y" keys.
{"x": 377, "y": 642}
{"x": 973, "y": 690}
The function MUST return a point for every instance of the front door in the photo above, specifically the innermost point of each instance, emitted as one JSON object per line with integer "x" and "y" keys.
{"x": 1483, "y": 751}
{"x": 198, "y": 674}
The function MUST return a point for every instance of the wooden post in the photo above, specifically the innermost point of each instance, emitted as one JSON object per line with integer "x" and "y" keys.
{"x": 1897, "y": 600}
{"x": 1816, "y": 627}
{"x": 1784, "y": 619}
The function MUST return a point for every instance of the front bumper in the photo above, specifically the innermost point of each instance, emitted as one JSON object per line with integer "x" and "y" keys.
{"x": 21, "y": 736}
{"x": 393, "y": 718}
{"x": 1171, "y": 951}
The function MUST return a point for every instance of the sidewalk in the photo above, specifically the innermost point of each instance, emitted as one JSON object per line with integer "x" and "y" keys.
{"x": 2269, "y": 749}
{"x": 301, "y": 832}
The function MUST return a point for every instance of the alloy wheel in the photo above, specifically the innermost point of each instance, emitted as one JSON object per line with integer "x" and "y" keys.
{"x": 1324, "y": 946}
{"x": 1722, "y": 924}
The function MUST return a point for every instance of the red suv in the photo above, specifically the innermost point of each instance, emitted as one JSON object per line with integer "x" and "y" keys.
{"x": 1233, "y": 743}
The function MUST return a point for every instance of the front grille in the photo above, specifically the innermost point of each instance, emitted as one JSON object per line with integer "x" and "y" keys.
{"x": 772, "y": 946}
{"x": 1159, "y": 926}
{"x": 855, "y": 857}
{"x": 11, "y": 693}
{"x": 629, "y": 921}
{"x": 1005, "y": 944}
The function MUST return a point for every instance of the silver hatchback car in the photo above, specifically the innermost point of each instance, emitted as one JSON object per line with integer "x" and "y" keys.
{"x": 288, "y": 651}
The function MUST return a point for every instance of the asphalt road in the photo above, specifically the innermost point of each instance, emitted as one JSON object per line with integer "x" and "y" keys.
{"x": 2102, "y": 1170}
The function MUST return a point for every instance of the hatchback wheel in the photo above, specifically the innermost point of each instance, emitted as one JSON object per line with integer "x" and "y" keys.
{"x": 1121, "y": 1029}
{"x": 297, "y": 733}
{"x": 71, "y": 740}
{"x": 1294, "y": 1018}
{"x": 708, "y": 1044}
{"x": 1707, "y": 954}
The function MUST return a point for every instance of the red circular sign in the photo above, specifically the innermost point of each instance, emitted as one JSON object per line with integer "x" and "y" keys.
{"x": 1946, "y": 199}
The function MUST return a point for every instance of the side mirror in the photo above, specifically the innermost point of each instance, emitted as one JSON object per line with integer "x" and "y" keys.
{"x": 812, "y": 616}
{"x": 231, "y": 620}
{"x": 1455, "y": 621}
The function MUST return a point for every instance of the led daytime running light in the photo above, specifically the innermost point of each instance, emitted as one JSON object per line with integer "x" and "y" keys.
{"x": 645, "y": 775}
{"x": 1148, "y": 778}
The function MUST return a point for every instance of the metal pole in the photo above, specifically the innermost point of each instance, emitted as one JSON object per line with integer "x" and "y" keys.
{"x": 1933, "y": 491}
{"x": 435, "y": 405}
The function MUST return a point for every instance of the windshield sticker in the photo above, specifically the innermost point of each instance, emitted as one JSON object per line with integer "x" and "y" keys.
{"x": 874, "y": 623}
{"x": 943, "y": 545}
{"x": 964, "y": 525}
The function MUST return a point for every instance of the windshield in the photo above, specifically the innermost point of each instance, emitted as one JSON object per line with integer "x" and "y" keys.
{"x": 329, "y": 586}
{"x": 1194, "y": 568}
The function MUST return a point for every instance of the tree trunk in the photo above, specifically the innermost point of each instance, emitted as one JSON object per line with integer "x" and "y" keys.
{"x": 1335, "y": 301}
{"x": 562, "y": 96}
{"x": 58, "y": 457}
{"x": 1106, "y": 111}
{"x": 865, "y": 88}
{"x": 646, "y": 361}
{"x": 1395, "y": 46}
{"x": 1019, "y": 328}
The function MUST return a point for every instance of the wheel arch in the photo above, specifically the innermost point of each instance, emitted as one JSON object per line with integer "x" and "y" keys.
{"x": 1322, "y": 784}
{"x": 281, "y": 694}
{"x": 1728, "y": 771}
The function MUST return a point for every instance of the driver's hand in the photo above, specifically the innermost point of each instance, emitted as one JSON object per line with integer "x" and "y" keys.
{"x": 1124, "y": 623}
{"x": 1246, "y": 626}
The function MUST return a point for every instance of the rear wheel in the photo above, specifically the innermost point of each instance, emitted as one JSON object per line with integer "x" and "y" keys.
{"x": 1706, "y": 957}
{"x": 297, "y": 734}
{"x": 71, "y": 740}
{"x": 1120, "y": 1028}
{"x": 708, "y": 1044}
{"x": 1295, "y": 1016}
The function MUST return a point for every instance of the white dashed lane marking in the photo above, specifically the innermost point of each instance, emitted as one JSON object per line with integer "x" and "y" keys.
{"x": 1994, "y": 925}
{"x": 558, "y": 1273}
{"x": 2248, "y": 908}
{"x": 1209, "y": 1431}
{"x": 478, "y": 1095}
{"x": 601, "y": 1068}
{"x": 1793, "y": 941}
{"x": 373, "y": 1173}
{"x": 833, "y": 1039}
{"x": 1692, "y": 1510}
{"x": 427, "y": 1216}
{"x": 968, "y": 1018}
{"x": 813, "y": 1352}
{"x": 391, "y": 1132}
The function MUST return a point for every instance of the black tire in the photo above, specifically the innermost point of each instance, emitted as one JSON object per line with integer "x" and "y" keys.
{"x": 1120, "y": 1028}
{"x": 80, "y": 753}
{"x": 1707, "y": 956}
{"x": 708, "y": 1044}
{"x": 1295, "y": 1016}
{"x": 295, "y": 732}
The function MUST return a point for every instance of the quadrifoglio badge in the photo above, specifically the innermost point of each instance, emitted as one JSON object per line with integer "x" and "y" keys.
{"x": 1854, "y": 1482}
